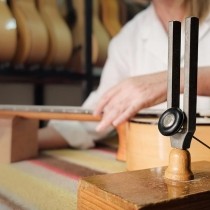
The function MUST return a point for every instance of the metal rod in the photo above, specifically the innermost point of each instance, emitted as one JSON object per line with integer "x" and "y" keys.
{"x": 88, "y": 48}
{"x": 182, "y": 140}
{"x": 174, "y": 64}
{"x": 190, "y": 71}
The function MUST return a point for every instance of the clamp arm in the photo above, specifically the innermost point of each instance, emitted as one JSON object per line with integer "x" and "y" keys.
{"x": 180, "y": 125}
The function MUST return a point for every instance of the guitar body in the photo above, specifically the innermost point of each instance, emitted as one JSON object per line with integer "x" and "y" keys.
{"x": 60, "y": 37}
{"x": 100, "y": 37}
{"x": 123, "y": 11}
{"x": 78, "y": 32}
{"x": 111, "y": 16}
{"x": 32, "y": 45}
{"x": 63, "y": 8}
{"x": 147, "y": 148}
{"x": 8, "y": 31}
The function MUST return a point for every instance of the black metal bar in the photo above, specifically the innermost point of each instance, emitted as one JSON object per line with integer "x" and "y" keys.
{"x": 39, "y": 99}
{"x": 191, "y": 70}
{"x": 88, "y": 83}
{"x": 174, "y": 64}
{"x": 182, "y": 140}
{"x": 39, "y": 94}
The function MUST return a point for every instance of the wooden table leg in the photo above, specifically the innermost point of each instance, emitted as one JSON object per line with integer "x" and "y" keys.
{"x": 18, "y": 139}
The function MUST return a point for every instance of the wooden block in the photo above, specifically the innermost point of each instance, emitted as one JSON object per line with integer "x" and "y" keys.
{"x": 18, "y": 139}
{"x": 121, "y": 152}
{"x": 146, "y": 189}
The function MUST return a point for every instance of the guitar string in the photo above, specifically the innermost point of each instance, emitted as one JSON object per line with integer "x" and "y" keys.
{"x": 201, "y": 142}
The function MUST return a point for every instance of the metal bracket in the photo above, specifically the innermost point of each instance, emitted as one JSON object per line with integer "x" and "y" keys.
{"x": 182, "y": 139}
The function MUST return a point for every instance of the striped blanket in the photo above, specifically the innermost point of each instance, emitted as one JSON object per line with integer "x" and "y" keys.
{"x": 50, "y": 181}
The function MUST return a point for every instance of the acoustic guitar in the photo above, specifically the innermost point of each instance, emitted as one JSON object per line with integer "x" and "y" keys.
{"x": 8, "y": 31}
{"x": 60, "y": 37}
{"x": 62, "y": 7}
{"x": 67, "y": 11}
{"x": 100, "y": 37}
{"x": 123, "y": 11}
{"x": 110, "y": 13}
{"x": 32, "y": 45}
{"x": 147, "y": 148}
{"x": 78, "y": 32}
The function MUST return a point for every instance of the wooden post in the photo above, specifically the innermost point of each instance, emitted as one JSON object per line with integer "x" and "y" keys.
{"x": 18, "y": 139}
{"x": 179, "y": 168}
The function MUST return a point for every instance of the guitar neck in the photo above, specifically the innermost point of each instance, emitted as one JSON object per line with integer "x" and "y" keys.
{"x": 69, "y": 113}
{"x": 48, "y": 112}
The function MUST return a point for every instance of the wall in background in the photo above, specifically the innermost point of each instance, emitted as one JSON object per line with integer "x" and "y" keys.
{"x": 12, "y": 93}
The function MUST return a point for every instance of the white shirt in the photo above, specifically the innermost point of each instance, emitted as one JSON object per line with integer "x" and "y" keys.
{"x": 140, "y": 48}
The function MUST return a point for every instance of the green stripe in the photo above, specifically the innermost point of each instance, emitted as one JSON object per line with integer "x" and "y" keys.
{"x": 90, "y": 159}
{"x": 36, "y": 192}
{"x": 49, "y": 176}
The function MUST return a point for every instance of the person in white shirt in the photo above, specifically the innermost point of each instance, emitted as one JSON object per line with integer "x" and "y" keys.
{"x": 134, "y": 76}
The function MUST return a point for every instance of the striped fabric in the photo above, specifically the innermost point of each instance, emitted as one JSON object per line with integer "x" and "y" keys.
{"x": 50, "y": 181}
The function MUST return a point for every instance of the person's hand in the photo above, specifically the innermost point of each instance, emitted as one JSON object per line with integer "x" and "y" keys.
{"x": 125, "y": 99}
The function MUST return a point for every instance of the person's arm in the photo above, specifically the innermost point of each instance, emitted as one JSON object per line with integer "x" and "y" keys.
{"x": 83, "y": 135}
{"x": 123, "y": 101}
{"x": 129, "y": 96}
{"x": 117, "y": 68}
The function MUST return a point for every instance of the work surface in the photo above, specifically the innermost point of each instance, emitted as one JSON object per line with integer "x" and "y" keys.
{"x": 146, "y": 189}
{"x": 50, "y": 182}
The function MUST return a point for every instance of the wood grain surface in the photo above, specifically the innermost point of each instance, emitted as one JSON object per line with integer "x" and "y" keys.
{"x": 146, "y": 189}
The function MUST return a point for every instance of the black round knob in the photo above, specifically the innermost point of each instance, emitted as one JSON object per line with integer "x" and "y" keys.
{"x": 171, "y": 121}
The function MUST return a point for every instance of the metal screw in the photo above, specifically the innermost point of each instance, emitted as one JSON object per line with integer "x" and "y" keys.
{"x": 169, "y": 120}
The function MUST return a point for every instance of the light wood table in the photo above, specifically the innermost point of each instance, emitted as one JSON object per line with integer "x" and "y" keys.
{"x": 146, "y": 189}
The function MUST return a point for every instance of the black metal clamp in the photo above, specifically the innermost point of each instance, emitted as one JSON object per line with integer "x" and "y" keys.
{"x": 179, "y": 124}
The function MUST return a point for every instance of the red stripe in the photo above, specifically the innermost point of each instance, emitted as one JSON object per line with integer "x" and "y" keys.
{"x": 55, "y": 170}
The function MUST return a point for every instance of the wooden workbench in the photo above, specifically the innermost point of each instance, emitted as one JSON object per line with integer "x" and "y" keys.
{"x": 146, "y": 189}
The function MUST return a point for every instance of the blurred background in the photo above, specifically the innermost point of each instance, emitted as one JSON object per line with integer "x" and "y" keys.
{"x": 45, "y": 47}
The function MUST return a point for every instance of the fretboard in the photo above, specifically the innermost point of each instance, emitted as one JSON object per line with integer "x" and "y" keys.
{"x": 48, "y": 112}
{"x": 69, "y": 112}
